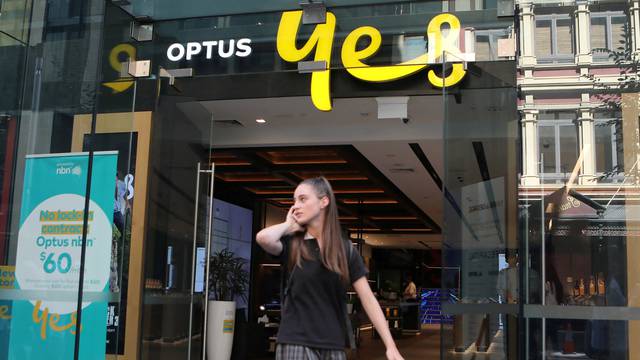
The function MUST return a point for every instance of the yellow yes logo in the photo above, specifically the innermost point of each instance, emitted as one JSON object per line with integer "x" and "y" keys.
{"x": 129, "y": 51}
{"x": 321, "y": 40}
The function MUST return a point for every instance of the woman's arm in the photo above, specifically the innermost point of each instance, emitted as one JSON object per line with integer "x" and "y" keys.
{"x": 373, "y": 310}
{"x": 269, "y": 238}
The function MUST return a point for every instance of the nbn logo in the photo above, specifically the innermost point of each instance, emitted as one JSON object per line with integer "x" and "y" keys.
{"x": 66, "y": 170}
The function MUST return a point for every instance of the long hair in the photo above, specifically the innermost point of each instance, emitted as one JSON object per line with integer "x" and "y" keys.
{"x": 332, "y": 252}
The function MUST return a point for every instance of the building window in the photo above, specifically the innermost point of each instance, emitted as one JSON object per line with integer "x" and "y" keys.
{"x": 608, "y": 146}
{"x": 472, "y": 5}
{"x": 607, "y": 34}
{"x": 557, "y": 144}
{"x": 554, "y": 39}
{"x": 486, "y": 46}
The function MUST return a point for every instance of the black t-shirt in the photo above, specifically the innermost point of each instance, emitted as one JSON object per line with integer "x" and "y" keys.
{"x": 313, "y": 313}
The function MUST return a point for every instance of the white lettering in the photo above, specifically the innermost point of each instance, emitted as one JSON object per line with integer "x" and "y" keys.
{"x": 193, "y": 48}
{"x": 226, "y": 49}
{"x": 209, "y": 46}
{"x": 244, "y": 48}
{"x": 226, "y": 54}
{"x": 170, "y": 52}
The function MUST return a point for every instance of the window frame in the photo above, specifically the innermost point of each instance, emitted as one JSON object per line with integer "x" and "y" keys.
{"x": 494, "y": 35}
{"x": 555, "y": 57}
{"x": 608, "y": 15}
{"x": 614, "y": 147}
{"x": 558, "y": 175}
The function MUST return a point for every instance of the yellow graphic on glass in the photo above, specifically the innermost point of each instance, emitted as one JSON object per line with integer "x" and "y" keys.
{"x": 440, "y": 42}
{"x": 114, "y": 62}
{"x": 321, "y": 40}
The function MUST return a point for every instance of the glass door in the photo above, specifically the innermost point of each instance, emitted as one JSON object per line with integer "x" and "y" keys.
{"x": 481, "y": 249}
{"x": 179, "y": 226}
{"x": 167, "y": 223}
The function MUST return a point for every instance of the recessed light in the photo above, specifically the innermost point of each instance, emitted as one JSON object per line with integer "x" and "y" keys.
{"x": 261, "y": 121}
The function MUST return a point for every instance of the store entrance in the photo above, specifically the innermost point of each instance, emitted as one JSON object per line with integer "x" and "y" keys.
{"x": 382, "y": 167}
{"x": 425, "y": 182}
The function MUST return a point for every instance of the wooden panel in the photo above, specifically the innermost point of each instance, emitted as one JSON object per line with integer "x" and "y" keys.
{"x": 139, "y": 123}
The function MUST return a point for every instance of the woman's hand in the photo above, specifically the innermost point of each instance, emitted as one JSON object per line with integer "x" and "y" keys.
{"x": 293, "y": 226}
{"x": 373, "y": 310}
{"x": 394, "y": 354}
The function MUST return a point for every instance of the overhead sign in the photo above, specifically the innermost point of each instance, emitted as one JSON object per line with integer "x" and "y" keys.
{"x": 320, "y": 44}
{"x": 48, "y": 257}
{"x": 224, "y": 49}
{"x": 442, "y": 35}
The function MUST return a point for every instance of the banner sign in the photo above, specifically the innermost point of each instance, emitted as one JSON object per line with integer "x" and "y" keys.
{"x": 48, "y": 258}
{"x": 7, "y": 279}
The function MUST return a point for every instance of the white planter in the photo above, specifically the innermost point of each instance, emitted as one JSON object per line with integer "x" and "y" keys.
{"x": 221, "y": 318}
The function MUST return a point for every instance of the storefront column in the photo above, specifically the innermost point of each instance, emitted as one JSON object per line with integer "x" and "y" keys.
{"x": 586, "y": 139}
{"x": 527, "y": 31}
{"x": 583, "y": 34}
{"x": 634, "y": 21}
{"x": 531, "y": 173}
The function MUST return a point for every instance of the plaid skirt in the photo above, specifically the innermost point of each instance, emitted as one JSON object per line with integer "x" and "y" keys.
{"x": 299, "y": 352}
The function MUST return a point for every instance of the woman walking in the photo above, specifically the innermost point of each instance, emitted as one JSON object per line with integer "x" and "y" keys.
{"x": 321, "y": 265}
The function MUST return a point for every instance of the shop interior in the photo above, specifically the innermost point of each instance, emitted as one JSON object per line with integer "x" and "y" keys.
{"x": 384, "y": 158}
{"x": 389, "y": 205}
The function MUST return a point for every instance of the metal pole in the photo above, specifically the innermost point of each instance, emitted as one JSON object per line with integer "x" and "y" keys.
{"x": 543, "y": 254}
{"x": 193, "y": 270}
{"x": 207, "y": 250}
{"x": 85, "y": 220}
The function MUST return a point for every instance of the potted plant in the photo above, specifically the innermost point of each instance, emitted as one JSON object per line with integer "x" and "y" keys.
{"x": 228, "y": 279}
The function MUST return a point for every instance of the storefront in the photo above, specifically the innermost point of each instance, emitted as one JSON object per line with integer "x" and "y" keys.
{"x": 209, "y": 114}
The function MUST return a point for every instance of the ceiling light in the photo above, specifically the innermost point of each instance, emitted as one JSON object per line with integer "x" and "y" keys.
{"x": 261, "y": 121}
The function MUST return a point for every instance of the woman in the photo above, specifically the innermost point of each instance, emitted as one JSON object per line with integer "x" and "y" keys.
{"x": 321, "y": 266}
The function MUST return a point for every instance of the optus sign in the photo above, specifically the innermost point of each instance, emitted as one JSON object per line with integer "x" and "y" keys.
{"x": 320, "y": 43}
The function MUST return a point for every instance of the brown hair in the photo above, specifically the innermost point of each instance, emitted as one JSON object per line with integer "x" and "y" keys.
{"x": 332, "y": 252}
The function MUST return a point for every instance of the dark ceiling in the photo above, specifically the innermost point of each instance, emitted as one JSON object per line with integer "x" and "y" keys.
{"x": 368, "y": 202}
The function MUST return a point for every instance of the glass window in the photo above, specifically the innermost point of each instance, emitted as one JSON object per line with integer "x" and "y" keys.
{"x": 604, "y": 146}
{"x": 608, "y": 134}
{"x": 607, "y": 34}
{"x": 564, "y": 42}
{"x": 568, "y": 138}
{"x": 483, "y": 47}
{"x": 598, "y": 33}
{"x": 543, "y": 38}
{"x": 486, "y": 46}
{"x": 618, "y": 30}
{"x": 554, "y": 38}
{"x": 471, "y": 5}
{"x": 557, "y": 143}
{"x": 462, "y": 5}
{"x": 548, "y": 148}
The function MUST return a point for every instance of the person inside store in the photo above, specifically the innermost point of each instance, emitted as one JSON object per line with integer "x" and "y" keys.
{"x": 508, "y": 280}
{"x": 410, "y": 291}
{"x": 507, "y": 288}
{"x": 320, "y": 266}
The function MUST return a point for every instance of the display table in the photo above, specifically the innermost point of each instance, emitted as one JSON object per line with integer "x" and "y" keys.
{"x": 401, "y": 317}
{"x": 411, "y": 317}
